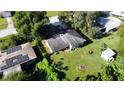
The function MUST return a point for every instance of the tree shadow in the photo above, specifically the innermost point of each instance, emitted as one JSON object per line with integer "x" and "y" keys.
{"x": 77, "y": 79}
{"x": 60, "y": 70}
{"x": 57, "y": 66}
{"x": 38, "y": 53}
{"x": 101, "y": 36}
{"x": 91, "y": 78}
{"x": 97, "y": 77}
{"x": 37, "y": 76}
{"x": 61, "y": 75}
{"x": 88, "y": 41}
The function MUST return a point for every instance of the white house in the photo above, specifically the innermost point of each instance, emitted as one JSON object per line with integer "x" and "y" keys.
{"x": 108, "y": 54}
{"x": 109, "y": 23}
{"x": 118, "y": 14}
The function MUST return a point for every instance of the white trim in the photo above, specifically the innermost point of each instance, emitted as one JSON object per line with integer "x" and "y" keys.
{"x": 48, "y": 46}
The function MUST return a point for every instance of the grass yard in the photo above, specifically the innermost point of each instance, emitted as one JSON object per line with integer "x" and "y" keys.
{"x": 81, "y": 56}
{"x": 52, "y": 13}
{"x": 3, "y": 23}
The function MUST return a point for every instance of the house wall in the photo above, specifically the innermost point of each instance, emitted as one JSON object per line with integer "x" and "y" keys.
{"x": 48, "y": 47}
{"x": 16, "y": 68}
{"x": 29, "y": 62}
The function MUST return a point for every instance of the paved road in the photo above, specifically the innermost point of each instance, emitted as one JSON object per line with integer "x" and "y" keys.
{"x": 9, "y": 30}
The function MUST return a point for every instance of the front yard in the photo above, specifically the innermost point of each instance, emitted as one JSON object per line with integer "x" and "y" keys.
{"x": 3, "y": 23}
{"x": 81, "y": 56}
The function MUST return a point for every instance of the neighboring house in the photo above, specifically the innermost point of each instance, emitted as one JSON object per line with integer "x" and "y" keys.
{"x": 56, "y": 22}
{"x": 109, "y": 23}
{"x": 71, "y": 39}
{"x": 12, "y": 58}
{"x": 5, "y": 14}
{"x": 108, "y": 54}
{"x": 119, "y": 14}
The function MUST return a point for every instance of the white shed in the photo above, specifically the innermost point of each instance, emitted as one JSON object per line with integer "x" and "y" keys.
{"x": 108, "y": 54}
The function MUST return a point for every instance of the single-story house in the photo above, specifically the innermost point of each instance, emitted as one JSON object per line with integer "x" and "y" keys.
{"x": 109, "y": 23}
{"x": 13, "y": 58}
{"x": 69, "y": 40}
{"x": 119, "y": 14}
{"x": 5, "y": 14}
{"x": 56, "y": 22}
{"x": 108, "y": 54}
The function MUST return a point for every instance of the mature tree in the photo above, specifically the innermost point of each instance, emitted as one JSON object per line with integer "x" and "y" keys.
{"x": 81, "y": 20}
{"x": 16, "y": 76}
{"x": 29, "y": 24}
{"x": 7, "y": 42}
{"x": 48, "y": 70}
{"x": 38, "y": 20}
{"x": 111, "y": 72}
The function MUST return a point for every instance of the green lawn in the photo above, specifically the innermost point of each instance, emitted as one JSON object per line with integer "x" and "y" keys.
{"x": 52, "y": 13}
{"x": 81, "y": 56}
{"x": 3, "y": 23}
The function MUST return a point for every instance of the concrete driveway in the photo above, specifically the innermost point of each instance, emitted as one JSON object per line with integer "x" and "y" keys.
{"x": 10, "y": 22}
{"x": 9, "y": 30}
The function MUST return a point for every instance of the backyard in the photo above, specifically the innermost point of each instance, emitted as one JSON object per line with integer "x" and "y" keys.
{"x": 81, "y": 56}
{"x": 3, "y": 23}
{"x": 52, "y": 13}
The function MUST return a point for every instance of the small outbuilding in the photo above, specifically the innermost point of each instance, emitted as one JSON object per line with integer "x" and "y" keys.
{"x": 108, "y": 54}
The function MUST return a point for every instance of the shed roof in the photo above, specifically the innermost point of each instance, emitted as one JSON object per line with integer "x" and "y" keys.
{"x": 108, "y": 52}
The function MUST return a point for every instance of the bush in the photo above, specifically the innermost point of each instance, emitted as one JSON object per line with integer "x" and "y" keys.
{"x": 7, "y": 42}
{"x": 47, "y": 69}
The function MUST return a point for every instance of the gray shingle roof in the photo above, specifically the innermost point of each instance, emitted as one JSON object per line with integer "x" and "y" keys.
{"x": 56, "y": 43}
{"x": 69, "y": 39}
{"x": 73, "y": 38}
